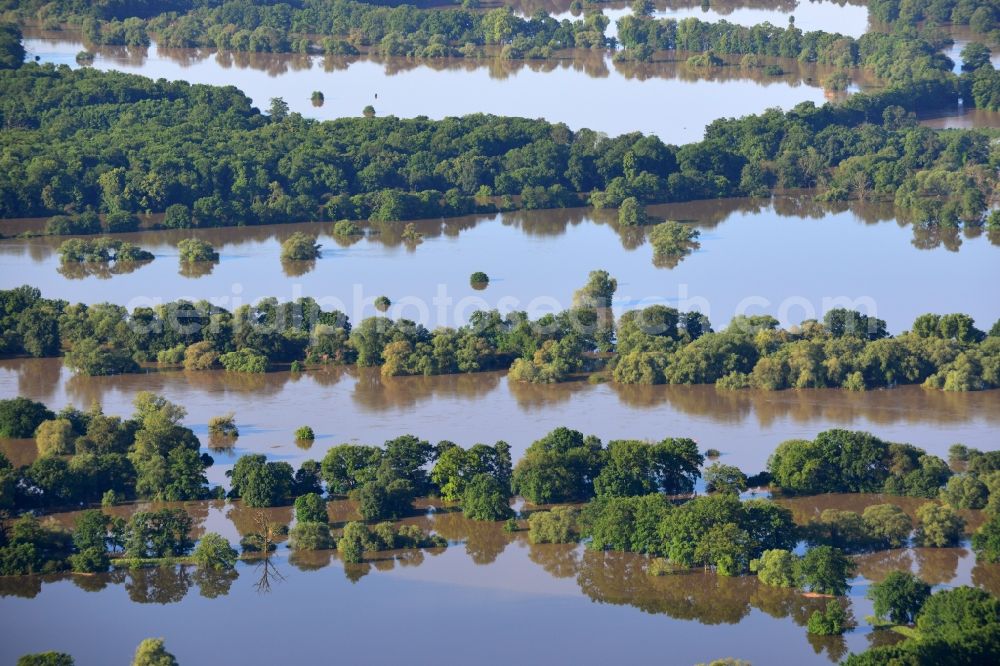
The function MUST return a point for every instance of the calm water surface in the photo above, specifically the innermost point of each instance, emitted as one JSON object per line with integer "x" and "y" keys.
{"x": 562, "y": 602}
{"x": 584, "y": 90}
{"x": 789, "y": 258}
{"x": 846, "y": 19}
{"x": 357, "y": 405}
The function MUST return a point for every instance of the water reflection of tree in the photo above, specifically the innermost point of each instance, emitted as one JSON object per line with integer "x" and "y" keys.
{"x": 375, "y": 393}
{"x": 99, "y": 269}
{"x": 987, "y": 576}
{"x": 939, "y": 565}
{"x": 484, "y": 541}
{"x": 561, "y": 560}
{"x": 834, "y": 646}
{"x": 213, "y": 583}
{"x": 157, "y": 585}
{"x": 196, "y": 269}
{"x": 876, "y": 566}
{"x": 297, "y": 268}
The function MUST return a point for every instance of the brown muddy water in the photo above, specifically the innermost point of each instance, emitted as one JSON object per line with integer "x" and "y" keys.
{"x": 347, "y": 405}
{"x": 562, "y": 602}
{"x": 788, "y": 257}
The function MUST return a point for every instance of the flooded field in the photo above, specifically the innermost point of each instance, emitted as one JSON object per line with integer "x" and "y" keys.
{"x": 555, "y": 596}
{"x": 357, "y": 405}
{"x": 795, "y": 260}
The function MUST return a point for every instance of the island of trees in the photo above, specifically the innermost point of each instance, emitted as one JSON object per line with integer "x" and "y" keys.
{"x": 625, "y": 495}
{"x": 655, "y": 345}
{"x": 205, "y": 156}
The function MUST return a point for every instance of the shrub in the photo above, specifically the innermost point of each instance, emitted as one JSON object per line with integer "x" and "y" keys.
{"x": 195, "y": 249}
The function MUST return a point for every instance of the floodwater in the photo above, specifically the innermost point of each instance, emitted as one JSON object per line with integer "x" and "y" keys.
{"x": 345, "y": 405}
{"x": 794, "y": 259}
{"x": 556, "y": 598}
{"x": 843, "y": 18}
{"x": 581, "y": 89}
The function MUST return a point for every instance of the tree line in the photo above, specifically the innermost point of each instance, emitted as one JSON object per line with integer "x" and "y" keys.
{"x": 623, "y": 496}
{"x": 654, "y": 345}
{"x": 95, "y": 148}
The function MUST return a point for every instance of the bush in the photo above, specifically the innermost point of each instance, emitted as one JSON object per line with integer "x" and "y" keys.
{"x": 346, "y": 228}
{"x": 352, "y": 544}
{"x": 631, "y": 213}
{"x": 214, "y": 552}
{"x": 382, "y": 303}
{"x": 831, "y": 622}
{"x": 200, "y": 356}
{"x": 557, "y": 525}
{"x": 311, "y": 536}
{"x": 300, "y": 247}
{"x": 223, "y": 426}
{"x": 195, "y": 249}
{"x": 244, "y": 360}
{"x": 479, "y": 280}
{"x": 304, "y": 433}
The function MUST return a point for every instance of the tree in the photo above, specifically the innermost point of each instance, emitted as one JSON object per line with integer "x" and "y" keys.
{"x": 479, "y": 280}
{"x": 720, "y": 478}
{"x": 887, "y": 524}
{"x": 193, "y": 250}
{"x": 368, "y": 111}
{"x": 598, "y": 292}
{"x": 20, "y": 417}
{"x": 214, "y": 552}
{"x": 158, "y": 534}
{"x": 672, "y": 241}
{"x": 278, "y": 109}
{"x": 965, "y": 491}
{"x": 631, "y": 213}
{"x": 300, "y": 247}
{"x": 900, "y": 596}
{"x": 310, "y": 508}
{"x": 557, "y": 525}
{"x": 90, "y": 536}
{"x": 385, "y": 497}
{"x": 152, "y": 652}
{"x": 223, "y": 426}
{"x": 826, "y": 570}
{"x": 11, "y": 50}
{"x": 304, "y": 434}
{"x": 777, "y": 568}
{"x": 959, "y": 610}
{"x": 485, "y": 499}
{"x": 974, "y": 55}
{"x": 310, "y": 536}
{"x": 260, "y": 483}
{"x": 560, "y": 467}
{"x": 348, "y": 467}
{"x": 938, "y": 526}
{"x": 831, "y": 622}
{"x": 55, "y": 438}
{"x": 352, "y": 544}
{"x": 986, "y": 540}
{"x": 46, "y": 659}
